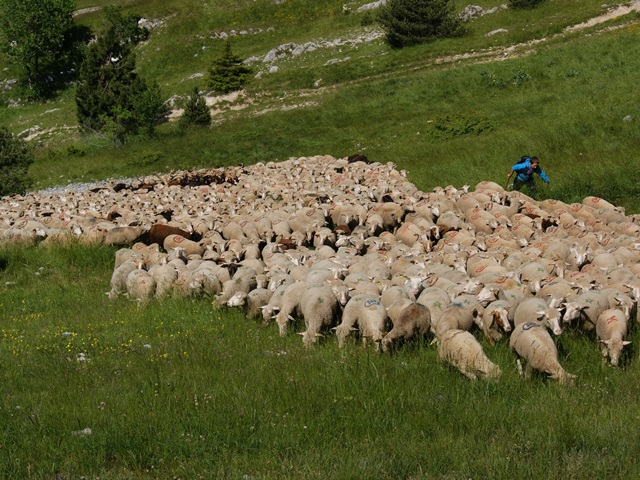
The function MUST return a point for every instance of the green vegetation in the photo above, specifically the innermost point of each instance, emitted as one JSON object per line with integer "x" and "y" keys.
{"x": 524, "y": 3}
{"x": 196, "y": 113}
{"x": 111, "y": 98}
{"x": 412, "y": 22}
{"x": 179, "y": 389}
{"x": 15, "y": 159}
{"x": 228, "y": 74}
{"x": 34, "y": 35}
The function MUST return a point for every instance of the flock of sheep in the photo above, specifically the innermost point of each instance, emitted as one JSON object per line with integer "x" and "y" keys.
{"x": 352, "y": 247}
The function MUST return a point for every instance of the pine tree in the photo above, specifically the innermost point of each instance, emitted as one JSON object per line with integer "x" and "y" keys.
{"x": 196, "y": 111}
{"x": 15, "y": 159}
{"x": 228, "y": 74}
{"x": 111, "y": 97}
{"x": 411, "y": 22}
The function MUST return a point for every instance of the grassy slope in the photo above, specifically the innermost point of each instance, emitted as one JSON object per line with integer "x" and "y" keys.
{"x": 384, "y": 103}
{"x": 216, "y": 396}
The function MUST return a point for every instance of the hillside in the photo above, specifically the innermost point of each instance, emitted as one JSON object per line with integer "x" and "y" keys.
{"x": 518, "y": 82}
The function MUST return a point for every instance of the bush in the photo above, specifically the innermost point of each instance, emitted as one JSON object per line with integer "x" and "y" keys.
{"x": 524, "y": 3}
{"x": 196, "y": 112}
{"x": 411, "y": 22}
{"x": 15, "y": 159}
{"x": 228, "y": 74}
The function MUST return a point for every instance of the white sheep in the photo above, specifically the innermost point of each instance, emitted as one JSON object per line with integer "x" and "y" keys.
{"x": 586, "y": 308}
{"x": 611, "y": 328}
{"x": 370, "y": 316}
{"x": 461, "y": 314}
{"x": 495, "y": 318}
{"x": 290, "y": 305}
{"x": 320, "y": 309}
{"x": 140, "y": 286}
{"x": 190, "y": 247}
{"x": 533, "y": 344}
{"x": 460, "y": 349}
{"x": 537, "y": 310}
{"x": 242, "y": 281}
{"x": 119, "y": 278}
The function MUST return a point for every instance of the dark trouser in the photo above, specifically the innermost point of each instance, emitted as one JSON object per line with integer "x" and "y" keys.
{"x": 531, "y": 185}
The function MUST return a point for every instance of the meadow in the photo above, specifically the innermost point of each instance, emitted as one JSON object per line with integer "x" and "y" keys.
{"x": 180, "y": 389}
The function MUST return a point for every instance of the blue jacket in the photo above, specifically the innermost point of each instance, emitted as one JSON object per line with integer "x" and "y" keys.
{"x": 525, "y": 172}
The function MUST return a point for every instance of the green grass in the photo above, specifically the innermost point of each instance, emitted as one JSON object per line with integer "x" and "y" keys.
{"x": 181, "y": 389}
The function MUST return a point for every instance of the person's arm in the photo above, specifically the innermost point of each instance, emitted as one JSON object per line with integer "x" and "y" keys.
{"x": 508, "y": 177}
{"x": 542, "y": 174}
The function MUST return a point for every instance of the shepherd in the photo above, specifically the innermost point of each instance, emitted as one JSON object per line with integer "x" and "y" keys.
{"x": 524, "y": 169}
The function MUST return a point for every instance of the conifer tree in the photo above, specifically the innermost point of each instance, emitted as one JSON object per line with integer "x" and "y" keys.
{"x": 111, "y": 98}
{"x": 411, "y": 22}
{"x": 228, "y": 74}
{"x": 196, "y": 111}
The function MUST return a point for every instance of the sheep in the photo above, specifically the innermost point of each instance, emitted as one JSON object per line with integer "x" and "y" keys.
{"x": 290, "y": 303}
{"x": 409, "y": 319}
{"x": 319, "y": 307}
{"x": 611, "y": 328}
{"x": 532, "y": 343}
{"x": 119, "y": 278}
{"x": 537, "y": 310}
{"x": 164, "y": 276}
{"x": 190, "y": 247}
{"x": 251, "y": 302}
{"x": 460, "y": 349}
{"x": 140, "y": 286}
{"x": 242, "y": 281}
{"x": 126, "y": 235}
{"x": 494, "y": 318}
{"x": 204, "y": 281}
{"x": 436, "y": 300}
{"x": 158, "y": 232}
{"x": 599, "y": 203}
{"x": 391, "y": 294}
{"x": 532, "y": 274}
{"x": 370, "y": 315}
{"x": 460, "y": 314}
{"x": 586, "y": 307}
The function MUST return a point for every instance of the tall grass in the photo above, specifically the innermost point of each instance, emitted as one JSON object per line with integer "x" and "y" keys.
{"x": 181, "y": 389}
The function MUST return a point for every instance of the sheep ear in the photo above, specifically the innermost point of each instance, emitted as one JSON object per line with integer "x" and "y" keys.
{"x": 626, "y": 342}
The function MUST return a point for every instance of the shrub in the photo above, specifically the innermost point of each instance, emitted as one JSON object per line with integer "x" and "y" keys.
{"x": 228, "y": 74}
{"x": 411, "y": 22}
{"x": 196, "y": 112}
{"x": 15, "y": 159}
